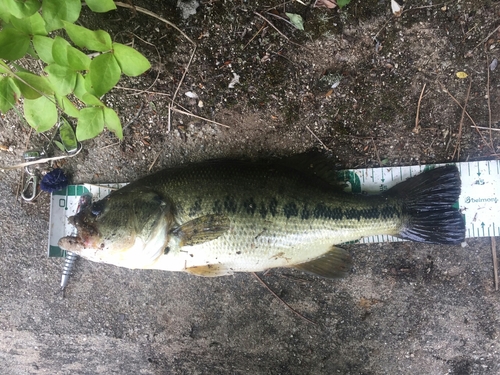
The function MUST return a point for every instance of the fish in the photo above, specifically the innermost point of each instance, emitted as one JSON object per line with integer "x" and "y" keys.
{"x": 218, "y": 217}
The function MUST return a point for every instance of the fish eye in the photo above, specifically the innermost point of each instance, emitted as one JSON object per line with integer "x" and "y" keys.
{"x": 97, "y": 207}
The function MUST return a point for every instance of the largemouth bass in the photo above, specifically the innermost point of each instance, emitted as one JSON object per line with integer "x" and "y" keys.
{"x": 219, "y": 217}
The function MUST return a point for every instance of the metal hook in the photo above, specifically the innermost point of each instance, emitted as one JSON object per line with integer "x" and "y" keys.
{"x": 29, "y": 191}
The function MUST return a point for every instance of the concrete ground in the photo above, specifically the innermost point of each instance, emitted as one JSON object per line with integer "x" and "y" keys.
{"x": 405, "y": 308}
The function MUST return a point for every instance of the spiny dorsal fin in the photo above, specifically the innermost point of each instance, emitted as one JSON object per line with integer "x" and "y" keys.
{"x": 313, "y": 163}
{"x": 333, "y": 264}
{"x": 202, "y": 229}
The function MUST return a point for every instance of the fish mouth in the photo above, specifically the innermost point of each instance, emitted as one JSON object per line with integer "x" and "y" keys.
{"x": 71, "y": 243}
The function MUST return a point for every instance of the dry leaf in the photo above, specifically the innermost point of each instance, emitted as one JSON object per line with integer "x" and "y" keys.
{"x": 462, "y": 75}
{"x": 493, "y": 64}
{"x": 397, "y": 9}
{"x": 329, "y": 4}
{"x": 234, "y": 81}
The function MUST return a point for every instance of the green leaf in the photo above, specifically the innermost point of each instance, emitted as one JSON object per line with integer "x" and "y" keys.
{"x": 77, "y": 60}
{"x": 56, "y": 11}
{"x": 21, "y": 8}
{"x": 88, "y": 85}
{"x": 92, "y": 100}
{"x": 343, "y": 3}
{"x": 82, "y": 93}
{"x": 98, "y": 40}
{"x": 4, "y": 68}
{"x": 132, "y": 62}
{"x": 40, "y": 113}
{"x": 104, "y": 73}
{"x": 60, "y": 51}
{"x": 62, "y": 78}
{"x": 34, "y": 25}
{"x": 112, "y": 122}
{"x": 90, "y": 123}
{"x": 80, "y": 86}
{"x": 34, "y": 86}
{"x": 100, "y": 6}
{"x": 296, "y": 20}
{"x": 59, "y": 145}
{"x": 13, "y": 44}
{"x": 9, "y": 93}
{"x": 5, "y": 15}
{"x": 43, "y": 46}
{"x": 68, "y": 136}
{"x": 67, "y": 106}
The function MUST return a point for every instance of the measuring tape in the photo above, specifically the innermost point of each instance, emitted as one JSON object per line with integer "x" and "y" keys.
{"x": 478, "y": 202}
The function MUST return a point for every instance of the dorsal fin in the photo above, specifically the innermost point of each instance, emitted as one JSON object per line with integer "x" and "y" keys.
{"x": 313, "y": 162}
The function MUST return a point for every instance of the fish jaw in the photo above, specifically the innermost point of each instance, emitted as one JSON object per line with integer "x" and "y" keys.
{"x": 132, "y": 251}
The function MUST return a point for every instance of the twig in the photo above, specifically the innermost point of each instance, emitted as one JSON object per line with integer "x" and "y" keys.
{"x": 154, "y": 15}
{"x": 110, "y": 145}
{"x": 255, "y": 36}
{"x": 376, "y": 153}
{"x": 459, "y": 135}
{"x": 184, "y": 111}
{"x": 279, "y": 32}
{"x": 182, "y": 78}
{"x": 149, "y": 13}
{"x": 281, "y": 18}
{"x": 495, "y": 263}
{"x": 489, "y": 101}
{"x": 135, "y": 117}
{"x": 485, "y": 128}
{"x": 286, "y": 304}
{"x": 406, "y": 11}
{"x": 467, "y": 113}
{"x": 485, "y": 39}
{"x": 158, "y": 70}
{"x": 416, "y": 129}
{"x": 319, "y": 140}
{"x": 199, "y": 117}
{"x": 169, "y": 118}
{"x": 154, "y": 161}
{"x": 40, "y": 161}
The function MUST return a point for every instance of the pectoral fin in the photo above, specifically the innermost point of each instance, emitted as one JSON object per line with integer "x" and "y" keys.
{"x": 210, "y": 270}
{"x": 333, "y": 264}
{"x": 202, "y": 229}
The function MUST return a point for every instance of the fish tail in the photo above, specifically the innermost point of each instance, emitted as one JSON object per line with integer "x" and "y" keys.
{"x": 427, "y": 202}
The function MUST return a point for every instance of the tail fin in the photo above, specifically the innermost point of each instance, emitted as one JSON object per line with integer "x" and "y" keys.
{"x": 427, "y": 201}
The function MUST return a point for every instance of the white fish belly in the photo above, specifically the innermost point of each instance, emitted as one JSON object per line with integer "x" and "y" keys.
{"x": 256, "y": 247}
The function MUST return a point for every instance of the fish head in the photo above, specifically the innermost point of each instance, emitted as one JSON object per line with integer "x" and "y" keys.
{"x": 128, "y": 228}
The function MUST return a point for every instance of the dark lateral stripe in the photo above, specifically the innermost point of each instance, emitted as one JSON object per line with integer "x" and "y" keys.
{"x": 291, "y": 209}
{"x": 324, "y": 212}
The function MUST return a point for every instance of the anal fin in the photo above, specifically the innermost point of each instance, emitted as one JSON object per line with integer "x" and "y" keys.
{"x": 209, "y": 270}
{"x": 335, "y": 263}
